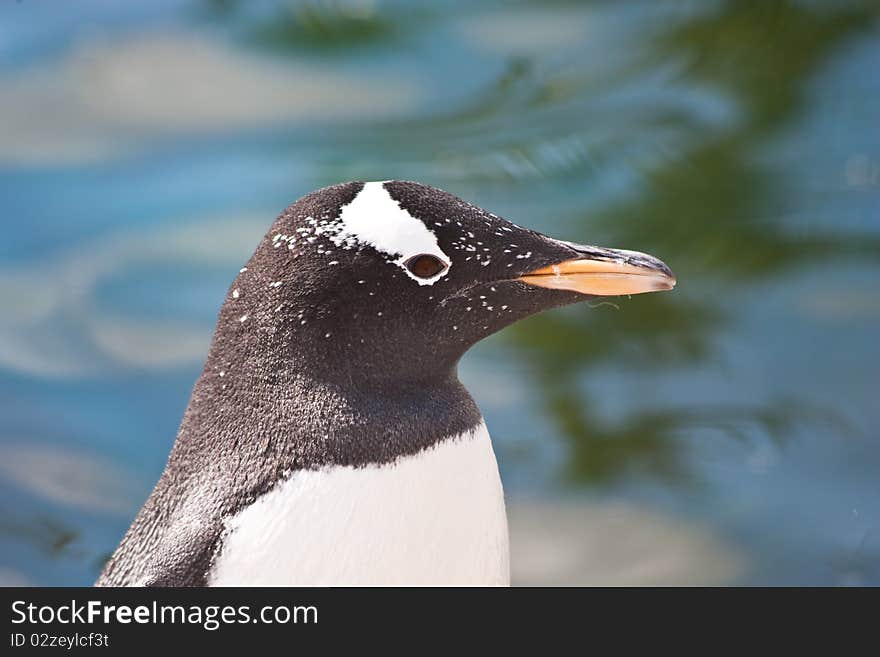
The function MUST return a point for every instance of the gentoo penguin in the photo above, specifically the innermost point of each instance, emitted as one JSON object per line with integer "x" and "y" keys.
{"x": 328, "y": 440}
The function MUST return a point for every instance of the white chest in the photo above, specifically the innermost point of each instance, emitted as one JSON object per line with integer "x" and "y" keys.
{"x": 434, "y": 518}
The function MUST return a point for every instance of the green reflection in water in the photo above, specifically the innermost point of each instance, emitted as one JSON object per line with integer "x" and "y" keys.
{"x": 50, "y": 536}
{"x": 710, "y": 213}
{"x": 310, "y": 25}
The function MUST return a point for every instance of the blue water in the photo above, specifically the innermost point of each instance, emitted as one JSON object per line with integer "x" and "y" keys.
{"x": 145, "y": 149}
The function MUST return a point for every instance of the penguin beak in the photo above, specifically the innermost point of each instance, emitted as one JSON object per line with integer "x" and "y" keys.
{"x": 604, "y": 272}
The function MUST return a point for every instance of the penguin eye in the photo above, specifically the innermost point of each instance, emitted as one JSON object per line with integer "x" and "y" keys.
{"x": 425, "y": 265}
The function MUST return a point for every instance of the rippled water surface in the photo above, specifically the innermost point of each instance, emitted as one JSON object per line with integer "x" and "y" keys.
{"x": 724, "y": 433}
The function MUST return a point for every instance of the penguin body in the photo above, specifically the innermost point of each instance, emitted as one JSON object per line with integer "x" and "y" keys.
{"x": 432, "y": 518}
{"x": 328, "y": 439}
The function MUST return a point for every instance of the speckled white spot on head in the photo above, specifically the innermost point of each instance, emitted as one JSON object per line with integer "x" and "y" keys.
{"x": 235, "y": 293}
{"x": 376, "y": 219}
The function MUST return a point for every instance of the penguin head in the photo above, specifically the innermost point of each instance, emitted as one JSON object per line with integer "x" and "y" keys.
{"x": 399, "y": 279}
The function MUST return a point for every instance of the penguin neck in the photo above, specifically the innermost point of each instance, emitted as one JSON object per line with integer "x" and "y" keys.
{"x": 317, "y": 361}
{"x": 306, "y": 408}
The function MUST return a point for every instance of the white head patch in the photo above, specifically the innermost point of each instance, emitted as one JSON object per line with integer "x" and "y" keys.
{"x": 376, "y": 219}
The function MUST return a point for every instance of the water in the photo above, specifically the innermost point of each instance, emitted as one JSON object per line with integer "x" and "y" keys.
{"x": 723, "y": 433}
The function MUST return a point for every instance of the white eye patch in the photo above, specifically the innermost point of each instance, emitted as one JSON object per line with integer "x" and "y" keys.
{"x": 374, "y": 218}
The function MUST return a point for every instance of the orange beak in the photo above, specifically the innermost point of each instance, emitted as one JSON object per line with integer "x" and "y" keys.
{"x": 605, "y": 273}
